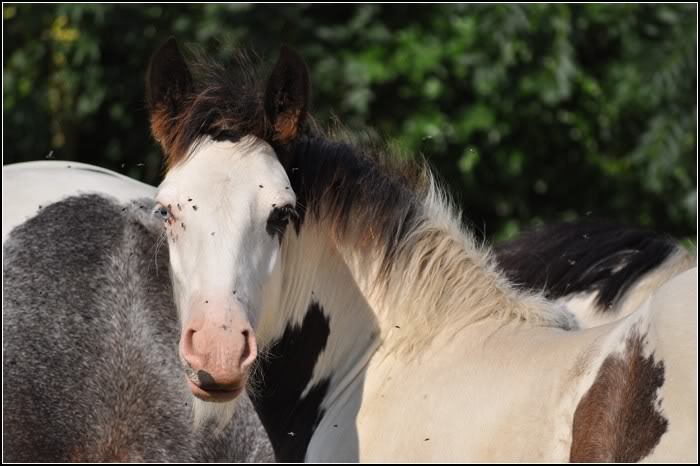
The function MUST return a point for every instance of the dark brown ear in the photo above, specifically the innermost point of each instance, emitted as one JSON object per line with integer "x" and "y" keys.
{"x": 287, "y": 96}
{"x": 168, "y": 85}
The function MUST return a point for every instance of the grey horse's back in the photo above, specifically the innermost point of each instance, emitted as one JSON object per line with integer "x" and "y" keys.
{"x": 90, "y": 345}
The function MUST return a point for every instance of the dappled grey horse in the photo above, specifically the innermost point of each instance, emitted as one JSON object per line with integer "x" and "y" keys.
{"x": 90, "y": 368}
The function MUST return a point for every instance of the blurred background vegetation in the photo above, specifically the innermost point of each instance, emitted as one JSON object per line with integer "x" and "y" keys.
{"x": 530, "y": 113}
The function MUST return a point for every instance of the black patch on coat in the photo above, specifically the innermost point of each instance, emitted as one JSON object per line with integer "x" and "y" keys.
{"x": 285, "y": 374}
{"x": 569, "y": 258}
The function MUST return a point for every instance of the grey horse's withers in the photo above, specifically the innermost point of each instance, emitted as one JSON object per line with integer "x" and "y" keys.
{"x": 91, "y": 371}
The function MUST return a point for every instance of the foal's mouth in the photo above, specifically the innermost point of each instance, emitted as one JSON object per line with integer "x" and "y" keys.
{"x": 216, "y": 393}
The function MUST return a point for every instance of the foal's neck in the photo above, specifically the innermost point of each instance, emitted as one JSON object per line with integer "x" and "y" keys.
{"x": 321, "y": 333}
{"x": 404, "y": 245}
{"x": 380, "y": 257}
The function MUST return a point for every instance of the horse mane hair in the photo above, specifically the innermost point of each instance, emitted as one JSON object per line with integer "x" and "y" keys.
{"x": 427, "y": 268}
{"x": 598, "y": 256}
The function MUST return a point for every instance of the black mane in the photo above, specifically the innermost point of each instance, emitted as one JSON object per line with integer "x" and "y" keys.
{"x": 225, "y": 102}
{"x": 362, "y": 191}
{"x": 569, "y": 258}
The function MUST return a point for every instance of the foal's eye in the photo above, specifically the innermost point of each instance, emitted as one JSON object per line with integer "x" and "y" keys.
{"x": 279, "y": 218}
{"x": 162, "y": 213}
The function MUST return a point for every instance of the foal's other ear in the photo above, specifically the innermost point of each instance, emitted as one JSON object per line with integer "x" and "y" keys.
{"x": 168, "y": 84}
{"x": 287, "y": 96}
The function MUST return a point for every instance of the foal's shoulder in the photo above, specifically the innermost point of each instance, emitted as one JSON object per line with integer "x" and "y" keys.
{"x": 632, "y": 404}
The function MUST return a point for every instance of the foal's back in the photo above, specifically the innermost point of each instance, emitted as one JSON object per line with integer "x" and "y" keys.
{"x": 601, "y": 270}
{"x": 89, "y": 341}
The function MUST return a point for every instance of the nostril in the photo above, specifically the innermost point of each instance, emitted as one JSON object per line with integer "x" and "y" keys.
{"x": 249, "y": 350}
{"x": 187, "y": 349}
{"x": 186, "y": 342}
{"x": 246, "y": 348}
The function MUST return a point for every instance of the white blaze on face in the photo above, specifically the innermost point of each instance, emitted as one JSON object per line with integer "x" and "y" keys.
{"x": 222, "y": 255}
{"x": 218, "y": 238}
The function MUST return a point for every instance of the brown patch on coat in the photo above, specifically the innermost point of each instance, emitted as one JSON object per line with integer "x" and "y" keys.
{"x": 617, "y": 419}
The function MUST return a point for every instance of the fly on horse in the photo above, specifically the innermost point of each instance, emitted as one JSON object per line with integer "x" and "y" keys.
{"x": 342, "y": 282}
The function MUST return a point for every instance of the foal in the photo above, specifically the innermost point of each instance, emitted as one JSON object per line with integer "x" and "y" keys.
{"x": 385, "y": 331}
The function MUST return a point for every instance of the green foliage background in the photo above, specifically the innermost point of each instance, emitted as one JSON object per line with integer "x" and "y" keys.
{"x": 530, "y": 113}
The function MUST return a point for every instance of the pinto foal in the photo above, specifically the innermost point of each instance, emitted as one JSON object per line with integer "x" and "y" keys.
{"x": 340, "y": 285}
